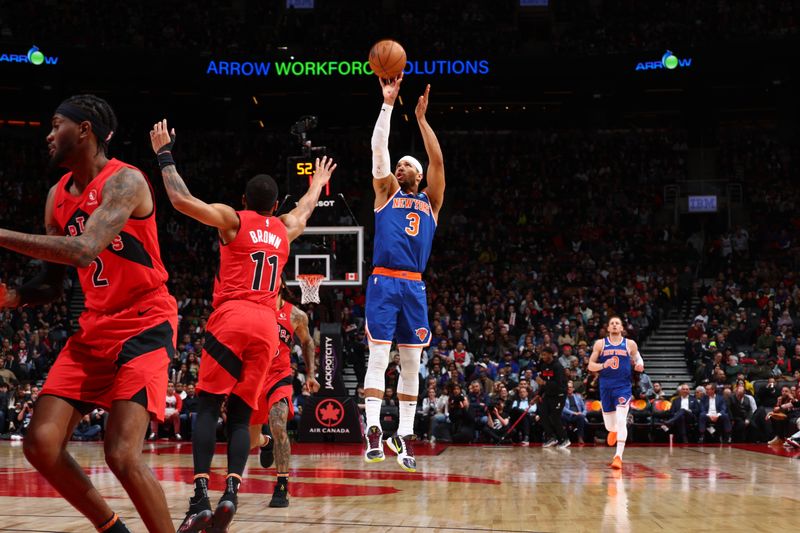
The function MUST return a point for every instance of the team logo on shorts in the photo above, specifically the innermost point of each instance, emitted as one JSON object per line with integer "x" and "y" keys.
{"x": 329, "y": 413}
{"x": 422, "y": 333}
{"x": 92, "y": 197}
{"x": 622, "y": 401}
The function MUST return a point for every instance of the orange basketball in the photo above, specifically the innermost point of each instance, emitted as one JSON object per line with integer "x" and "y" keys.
{"x": 387, "y": 59}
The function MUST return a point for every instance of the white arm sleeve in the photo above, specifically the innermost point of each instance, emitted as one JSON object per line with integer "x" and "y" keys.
{"x": 380, "y": 144}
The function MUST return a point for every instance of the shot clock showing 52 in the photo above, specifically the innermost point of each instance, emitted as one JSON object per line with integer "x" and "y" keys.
{"x": 300, "y": 167}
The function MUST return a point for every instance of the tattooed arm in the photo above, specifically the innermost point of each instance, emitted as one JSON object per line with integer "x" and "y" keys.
{"x": 300, "y": 323}
{"x": 122, "y": 193}
{"x": 48, "y": 285}
{"x": 220, "y": 216}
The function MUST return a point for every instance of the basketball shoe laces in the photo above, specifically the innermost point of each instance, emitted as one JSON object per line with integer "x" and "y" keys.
{"x": 405, "y": 450}
{"x": 374, "y": 439}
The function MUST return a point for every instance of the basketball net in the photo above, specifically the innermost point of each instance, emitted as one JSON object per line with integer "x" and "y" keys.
{"x": 309, "y": 284}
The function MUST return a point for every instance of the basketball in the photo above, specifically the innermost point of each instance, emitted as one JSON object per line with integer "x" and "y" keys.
{"x": 387, "y": 59}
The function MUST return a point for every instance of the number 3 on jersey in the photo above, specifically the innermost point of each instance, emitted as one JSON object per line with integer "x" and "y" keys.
{"x": 413, "y": 224}
{"x": 258, "y": 259}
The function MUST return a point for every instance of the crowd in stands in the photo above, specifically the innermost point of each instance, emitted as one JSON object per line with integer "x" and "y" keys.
{"x": 270, "y": 28}
{"x": 545, "y": 235}
{"x": 612, "y": 26}
{"x": 574, "y": 27}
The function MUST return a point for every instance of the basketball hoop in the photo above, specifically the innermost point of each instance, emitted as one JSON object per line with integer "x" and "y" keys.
{"x": 309, "y": 284}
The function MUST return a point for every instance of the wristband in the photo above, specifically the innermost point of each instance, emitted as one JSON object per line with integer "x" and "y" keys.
{"x": 164, "y": 154}
{"x": 165, "y": 159}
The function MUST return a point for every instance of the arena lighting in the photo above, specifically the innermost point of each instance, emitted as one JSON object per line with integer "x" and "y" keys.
{"x": 31, "y": 123}
{"x": 668, "y": 61}
{"x": 330, "y": 68}
{"x": 33, "y": 56}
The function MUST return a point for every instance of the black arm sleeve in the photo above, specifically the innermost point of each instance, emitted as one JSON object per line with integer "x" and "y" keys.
{"x": 45, "y": 287}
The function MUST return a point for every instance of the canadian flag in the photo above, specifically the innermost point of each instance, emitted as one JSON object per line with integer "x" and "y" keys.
{"x": 351, "y": 276}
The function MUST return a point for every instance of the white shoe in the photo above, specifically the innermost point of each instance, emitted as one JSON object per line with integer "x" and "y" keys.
{"x": 405, "y": 453}
{"x": 151, "y": 436}
{"x": 178, "y": 436}
{"x": 550, "y": 443}
{"x": 564, "y": 444}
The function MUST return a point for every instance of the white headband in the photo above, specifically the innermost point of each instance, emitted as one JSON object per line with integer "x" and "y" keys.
{"x": 414, "y": 162}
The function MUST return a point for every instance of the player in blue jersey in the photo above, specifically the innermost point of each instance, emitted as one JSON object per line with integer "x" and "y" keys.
{"x": 612, "y": 357}
{"x": 397, "y": 307}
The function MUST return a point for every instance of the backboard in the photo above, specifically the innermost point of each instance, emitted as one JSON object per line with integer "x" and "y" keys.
{"x": 337, "y": 252}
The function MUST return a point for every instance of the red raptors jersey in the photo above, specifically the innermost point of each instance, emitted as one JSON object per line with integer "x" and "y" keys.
{"x": 131, "y": 265}
{"x": 286, "y": 336}
{"x": 250, "y": 265}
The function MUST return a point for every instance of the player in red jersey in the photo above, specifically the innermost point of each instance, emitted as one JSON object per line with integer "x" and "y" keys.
{"x": 275, "y": 405}
{"x": 242, "y": 332}
{"x": 100, "y": 218}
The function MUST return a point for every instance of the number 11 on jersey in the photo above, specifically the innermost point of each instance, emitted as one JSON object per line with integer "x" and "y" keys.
{"x": 258, "y": 259}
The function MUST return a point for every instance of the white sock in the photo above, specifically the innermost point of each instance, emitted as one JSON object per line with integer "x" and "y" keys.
{"x": 610, "y": 421}
{"x": 373, "y": 408}
{"x": 622, "y": 429}
{"x": 408, "y": 410}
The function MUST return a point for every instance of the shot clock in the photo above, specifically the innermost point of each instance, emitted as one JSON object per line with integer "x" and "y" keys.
{"x": 299, "y": 171}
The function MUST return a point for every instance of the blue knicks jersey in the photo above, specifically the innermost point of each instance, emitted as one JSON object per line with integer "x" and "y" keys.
{"x": 619, "y": 373}
{"x": 404, "y": 229}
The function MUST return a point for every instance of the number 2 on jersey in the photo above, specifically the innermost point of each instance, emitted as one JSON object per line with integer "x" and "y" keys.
{"x": 97, "y": 279}
{"x": 413, "y": 224}
{"x": 258, "y": 259}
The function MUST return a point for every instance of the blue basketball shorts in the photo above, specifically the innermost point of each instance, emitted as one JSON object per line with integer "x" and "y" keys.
{"x": 614, "y": 396}
{"x": 397, "y": 309}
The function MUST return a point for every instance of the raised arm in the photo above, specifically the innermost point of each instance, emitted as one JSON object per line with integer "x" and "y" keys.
{"x": 122, "y": 193}
{"x": 300, "y": 323}
{"x": 295, "y": 220}
{"x": 383, "y": 180}
{"x": 48, "y": 285}
{"x": 220, "y": 216}
{"x": 435, "y": 174}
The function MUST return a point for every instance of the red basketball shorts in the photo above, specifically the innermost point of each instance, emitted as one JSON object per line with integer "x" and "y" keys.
{"x": 277, "y": 387}
{"x": 241, "y": 342}
{"x": 115, "y": 356}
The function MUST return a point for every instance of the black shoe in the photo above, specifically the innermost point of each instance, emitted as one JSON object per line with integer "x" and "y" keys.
{"x": 118, "y": 527}
{"x": 223, "y": 514}
{"x": 280, "y": 496}
{"x": 266, "y": 457}
{"x": 198, "y": 517}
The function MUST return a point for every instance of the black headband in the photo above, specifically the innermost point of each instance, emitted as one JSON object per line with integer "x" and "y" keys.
{"x": 78, "y": 114}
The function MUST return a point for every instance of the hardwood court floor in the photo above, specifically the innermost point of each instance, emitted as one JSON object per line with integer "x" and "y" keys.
{"x": 458, "y": 489}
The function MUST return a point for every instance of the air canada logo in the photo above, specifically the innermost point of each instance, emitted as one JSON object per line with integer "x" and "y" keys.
{"x": 422, "y": 333}
{"x": 329, "y": 413}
